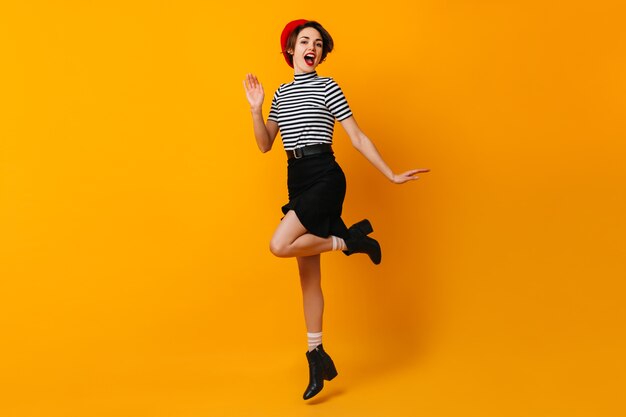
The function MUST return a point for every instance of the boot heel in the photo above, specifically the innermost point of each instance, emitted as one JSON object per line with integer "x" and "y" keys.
{"x": 330, "y": 373}
{"x": 364, "y": 226}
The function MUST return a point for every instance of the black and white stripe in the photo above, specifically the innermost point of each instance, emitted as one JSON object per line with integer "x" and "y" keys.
{"x": 306, "y": 109}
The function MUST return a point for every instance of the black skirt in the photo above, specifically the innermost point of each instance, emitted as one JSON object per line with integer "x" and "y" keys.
{"x": 317, "y": 187}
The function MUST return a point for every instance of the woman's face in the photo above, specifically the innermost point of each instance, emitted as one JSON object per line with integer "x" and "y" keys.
{"x": 308, "y": 50}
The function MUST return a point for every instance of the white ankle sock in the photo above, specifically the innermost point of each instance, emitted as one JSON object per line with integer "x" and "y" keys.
{"x": 314, "y": 340}
{"x": 338, "y": 243}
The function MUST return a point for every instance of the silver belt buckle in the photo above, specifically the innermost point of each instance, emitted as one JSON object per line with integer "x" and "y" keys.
{"x": 295, "y": 153}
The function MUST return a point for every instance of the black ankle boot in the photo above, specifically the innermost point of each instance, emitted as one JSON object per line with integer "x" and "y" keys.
{"x": 359, "y": 242}
{"x": 321, "y": 367}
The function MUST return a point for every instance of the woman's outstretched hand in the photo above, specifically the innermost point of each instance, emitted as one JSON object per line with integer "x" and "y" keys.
{"x": 254, "y": 91}
{"x": 408, "y": 176}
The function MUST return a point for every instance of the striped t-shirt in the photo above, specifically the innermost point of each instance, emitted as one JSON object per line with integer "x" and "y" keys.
{"x": 306, "y": 108}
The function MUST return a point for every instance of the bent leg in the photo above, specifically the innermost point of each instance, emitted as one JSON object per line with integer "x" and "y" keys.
{"x": 291, "y": 239}
{"x": 312, "y": 296}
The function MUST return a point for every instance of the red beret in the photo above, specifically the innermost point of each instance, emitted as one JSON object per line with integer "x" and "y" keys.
{"x": 285, "y": 35}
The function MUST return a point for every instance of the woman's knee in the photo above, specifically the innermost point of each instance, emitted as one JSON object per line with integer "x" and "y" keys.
{"x": 279, "y": 248}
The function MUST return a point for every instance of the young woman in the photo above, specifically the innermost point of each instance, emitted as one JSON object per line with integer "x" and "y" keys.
{"x": 305, "y": 111}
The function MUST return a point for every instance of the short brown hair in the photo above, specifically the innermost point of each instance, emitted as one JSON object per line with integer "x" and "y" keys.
{"x": 327, "y": 40}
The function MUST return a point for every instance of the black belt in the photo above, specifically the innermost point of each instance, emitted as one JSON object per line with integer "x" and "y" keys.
{"x": 309, "y": 150}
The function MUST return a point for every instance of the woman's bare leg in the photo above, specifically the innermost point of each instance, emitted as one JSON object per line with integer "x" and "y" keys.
{"x": 312, "y": 297}
{"x": 291, "y": 239}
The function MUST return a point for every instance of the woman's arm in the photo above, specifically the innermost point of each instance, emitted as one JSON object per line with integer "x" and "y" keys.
{"x": 364, "y": 145}
{"x": 263, "y": 133}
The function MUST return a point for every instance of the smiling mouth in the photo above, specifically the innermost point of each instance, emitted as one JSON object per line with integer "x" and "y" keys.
{"x": 309, "y": 59}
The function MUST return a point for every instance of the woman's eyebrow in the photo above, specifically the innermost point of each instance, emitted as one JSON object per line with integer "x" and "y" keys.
{"x": 306, "y": 37}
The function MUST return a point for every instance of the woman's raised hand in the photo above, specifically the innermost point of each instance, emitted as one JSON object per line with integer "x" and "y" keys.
{"x": 408, "y": 176}
{"x": 254, "y": 91}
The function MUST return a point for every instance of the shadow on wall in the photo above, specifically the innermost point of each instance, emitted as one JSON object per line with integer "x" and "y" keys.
{"x": 388, "y": 312}
{"x": 391, "y": 309}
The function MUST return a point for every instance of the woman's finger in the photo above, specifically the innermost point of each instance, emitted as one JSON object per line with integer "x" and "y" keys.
{"x": 417, "y": 171}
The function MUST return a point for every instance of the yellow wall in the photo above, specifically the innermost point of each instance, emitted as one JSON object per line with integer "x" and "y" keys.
{"x": 136, "y": 210}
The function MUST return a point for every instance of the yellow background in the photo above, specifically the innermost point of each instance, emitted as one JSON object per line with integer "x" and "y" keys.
{"x": 136, "y": 211}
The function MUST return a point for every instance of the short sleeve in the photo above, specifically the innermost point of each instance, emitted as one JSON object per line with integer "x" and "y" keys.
{"x": 336, "y": 101}
{"x": 273, "y": 116}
